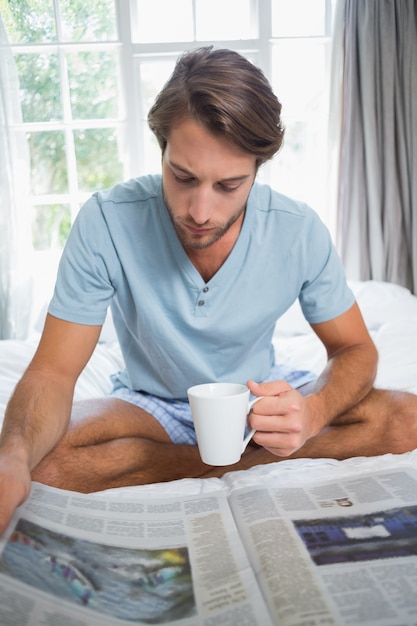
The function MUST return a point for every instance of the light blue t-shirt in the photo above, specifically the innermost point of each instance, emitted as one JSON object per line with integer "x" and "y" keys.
{"x": 174, "y": 329}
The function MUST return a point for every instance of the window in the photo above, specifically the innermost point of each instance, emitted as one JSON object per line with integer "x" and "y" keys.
{"x": 290, "y": 41}
{"x": 68, "y": 60}
{"x": 89, "y": 71}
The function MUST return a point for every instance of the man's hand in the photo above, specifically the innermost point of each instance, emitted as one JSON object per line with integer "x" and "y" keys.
{"x": 38, "y": 413}
{"x": 15, "y": 484}
{"x": 283, "y": 420}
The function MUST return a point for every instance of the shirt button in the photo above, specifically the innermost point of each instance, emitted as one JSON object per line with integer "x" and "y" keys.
{"x": 205, "y": 290}
{"x": 201, "y": 303}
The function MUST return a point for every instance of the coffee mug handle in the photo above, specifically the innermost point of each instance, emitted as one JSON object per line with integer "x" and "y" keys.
{"x": 252, "y": 432}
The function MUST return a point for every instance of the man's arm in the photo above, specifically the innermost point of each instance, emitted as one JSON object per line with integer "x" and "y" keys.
{"x": 39, "y": 410}
{"x": 288, "y": 419}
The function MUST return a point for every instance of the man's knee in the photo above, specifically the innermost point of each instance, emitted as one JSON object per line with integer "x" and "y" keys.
{"x": 93, "y": 467}
{"x": 392, "y": 416}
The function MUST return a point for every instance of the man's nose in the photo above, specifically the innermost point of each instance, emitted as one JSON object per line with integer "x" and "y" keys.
{"x": 201, "y": 205}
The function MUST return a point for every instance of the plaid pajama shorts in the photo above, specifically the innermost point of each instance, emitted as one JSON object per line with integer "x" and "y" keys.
{"x": 175, "y": 415}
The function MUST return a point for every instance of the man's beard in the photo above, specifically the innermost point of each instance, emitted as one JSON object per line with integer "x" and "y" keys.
{"x": 196, "y": 242}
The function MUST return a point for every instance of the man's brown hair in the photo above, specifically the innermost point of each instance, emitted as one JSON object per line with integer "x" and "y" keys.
{"x": 227, "y": 94}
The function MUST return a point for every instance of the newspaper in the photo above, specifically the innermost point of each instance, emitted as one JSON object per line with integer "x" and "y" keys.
{"x": 334, "y": 552}
{"x": 274, "y": 551}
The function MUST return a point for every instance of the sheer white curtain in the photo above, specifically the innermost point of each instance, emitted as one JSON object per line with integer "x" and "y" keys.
{"x": 15, "y": 222}
{"x": 377, "y": 191}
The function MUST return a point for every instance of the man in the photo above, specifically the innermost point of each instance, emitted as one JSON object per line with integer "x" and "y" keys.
{"x": 197, "y": 266}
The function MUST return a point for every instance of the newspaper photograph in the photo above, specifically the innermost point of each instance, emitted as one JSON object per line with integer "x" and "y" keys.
{"x": 71, "y": 559}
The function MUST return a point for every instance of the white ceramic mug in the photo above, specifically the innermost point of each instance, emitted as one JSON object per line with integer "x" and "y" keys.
{"x": 220, "y": 413}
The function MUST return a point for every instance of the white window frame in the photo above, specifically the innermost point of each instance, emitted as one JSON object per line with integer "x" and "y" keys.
{"x": 135, "y": 53}
{"x": 132, "y": 120}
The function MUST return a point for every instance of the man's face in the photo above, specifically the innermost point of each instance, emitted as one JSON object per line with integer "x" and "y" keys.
{"x": 206, "y": 183}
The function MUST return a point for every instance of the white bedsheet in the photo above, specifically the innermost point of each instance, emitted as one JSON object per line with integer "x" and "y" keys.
{"x": 390, "y": 313}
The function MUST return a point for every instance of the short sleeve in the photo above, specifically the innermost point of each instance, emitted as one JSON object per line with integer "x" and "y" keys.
{"x": 83, "y": 289}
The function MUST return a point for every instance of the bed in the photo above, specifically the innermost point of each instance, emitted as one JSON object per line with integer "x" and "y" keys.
{"x": 390, "y": 312}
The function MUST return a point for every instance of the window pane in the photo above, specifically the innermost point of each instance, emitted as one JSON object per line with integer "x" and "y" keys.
{"x": 48, "y": 163}
{"x": 94, "y": 20}
{"x": 298, "y": 18}
{"x": 164, "y": 21}
{"x": 40, "y": 93}
{"x": 300, "y": 167}
{"x": 93, "y": 82}
{"x": 298, "y": 75}
{"x": 217, "y": 19}
{"x": 98, "y": 162}
{"x": 50, "y": 226}
{"x": 29, "y": 21}
{"x": 153, "y": 76}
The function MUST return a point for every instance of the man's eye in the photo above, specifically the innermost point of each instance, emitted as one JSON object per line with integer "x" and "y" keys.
{"x": 228, "y": 188}
{"x": 180, "y": 179}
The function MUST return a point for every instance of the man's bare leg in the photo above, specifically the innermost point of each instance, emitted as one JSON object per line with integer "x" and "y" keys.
{"x": 112, "y": 443}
